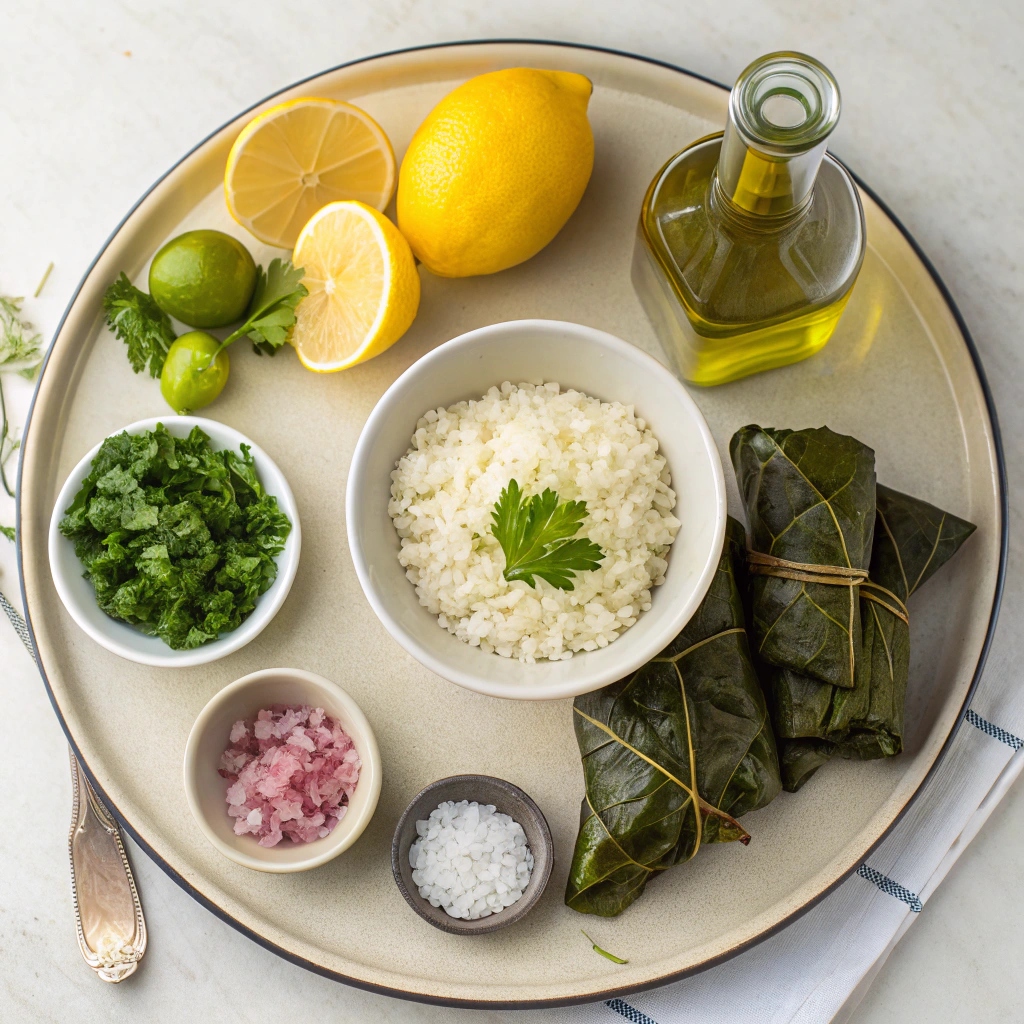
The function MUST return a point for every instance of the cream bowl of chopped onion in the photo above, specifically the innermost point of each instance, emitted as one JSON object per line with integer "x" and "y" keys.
{"x": 214, "y": 766}
{"x": 539, "y": 405}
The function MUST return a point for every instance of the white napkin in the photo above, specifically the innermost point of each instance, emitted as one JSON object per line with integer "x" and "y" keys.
{"x": 819, "y": 968}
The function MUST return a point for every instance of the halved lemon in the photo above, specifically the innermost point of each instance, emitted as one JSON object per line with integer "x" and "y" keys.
{"x": 363, "y": 287}
{"x": 297, "y": 157}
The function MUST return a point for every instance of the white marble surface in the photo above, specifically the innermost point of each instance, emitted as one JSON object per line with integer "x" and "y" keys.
{"x": 97, "y": 100}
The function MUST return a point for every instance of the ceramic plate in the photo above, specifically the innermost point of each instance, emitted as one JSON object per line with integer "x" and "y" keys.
{"x": 900, "y": 374}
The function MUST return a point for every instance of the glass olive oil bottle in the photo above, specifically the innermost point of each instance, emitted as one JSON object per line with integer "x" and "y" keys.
{"x": 750, "y": 240}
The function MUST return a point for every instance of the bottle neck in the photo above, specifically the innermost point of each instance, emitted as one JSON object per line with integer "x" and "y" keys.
{"x": 782, "y": 109}
{"x": 765, "y": 184}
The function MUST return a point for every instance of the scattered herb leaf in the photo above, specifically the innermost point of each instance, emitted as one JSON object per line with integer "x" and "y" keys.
{"x": 8, "y": 532}
{"x": 20, "y": 352}
{"x": 43, "y": 280}
{"x": 9, "y": 444}
{"x": 272, "y": 309}
{"x": 140, "y": 323}
{"x": 19, "y": 347}
{"x": 535, "y": 535}
{"x": 604, "y": 952}
{"x": 176, "y": 538}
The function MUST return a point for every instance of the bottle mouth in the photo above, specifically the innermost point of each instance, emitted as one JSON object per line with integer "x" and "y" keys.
{"x": 786, "y": 102}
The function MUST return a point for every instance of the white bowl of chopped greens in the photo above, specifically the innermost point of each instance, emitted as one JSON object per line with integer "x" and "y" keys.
{"x": 535, "y": 509}
{"x": 174, "y": 542}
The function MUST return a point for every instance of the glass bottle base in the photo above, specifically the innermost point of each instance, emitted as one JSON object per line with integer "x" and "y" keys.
{"x": 720, "y": 357}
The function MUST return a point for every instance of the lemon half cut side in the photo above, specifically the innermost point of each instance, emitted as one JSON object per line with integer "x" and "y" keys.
{"x": 297, "y": 157}
{"x": 364, "y": 289}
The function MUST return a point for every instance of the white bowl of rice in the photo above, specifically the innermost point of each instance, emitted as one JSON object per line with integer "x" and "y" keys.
{"x": 551, "y": 405}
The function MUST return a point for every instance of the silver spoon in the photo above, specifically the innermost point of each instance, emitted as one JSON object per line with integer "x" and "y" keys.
{"x": 108, "y": 913}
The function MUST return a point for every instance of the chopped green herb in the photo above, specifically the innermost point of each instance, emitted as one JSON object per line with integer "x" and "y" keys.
{"x": 140, "y": 323}
{"x": 604, "y": 952}
{"x": 176, "y": 538}
{"x": 272, "y": 309}
{"x": 8, "y": 532}
{"x": 535, "y": 535}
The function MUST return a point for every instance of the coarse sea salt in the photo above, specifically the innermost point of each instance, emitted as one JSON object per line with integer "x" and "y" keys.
{"x": 443, "y": 492}
{"x": 293, "y": 770}
{"x": 470, "y": 860}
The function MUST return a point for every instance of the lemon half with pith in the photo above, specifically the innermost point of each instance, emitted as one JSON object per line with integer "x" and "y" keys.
{"x": 364, "y": 290}
{"x": 297, "y": 157}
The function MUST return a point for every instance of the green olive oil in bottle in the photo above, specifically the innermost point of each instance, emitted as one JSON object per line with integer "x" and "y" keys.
{"x": 750, "y": 240}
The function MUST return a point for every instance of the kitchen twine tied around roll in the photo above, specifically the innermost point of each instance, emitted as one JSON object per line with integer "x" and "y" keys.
{"x": 761, "y": 564}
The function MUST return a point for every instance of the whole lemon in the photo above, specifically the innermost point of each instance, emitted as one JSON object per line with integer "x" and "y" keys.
{"x": 496, "y": 170}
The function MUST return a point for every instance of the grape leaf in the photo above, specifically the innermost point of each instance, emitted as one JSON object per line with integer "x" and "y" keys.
{"x": 813, "y": 722}
{"x": 674, "y": 753}
{"x": 810, "y": 498}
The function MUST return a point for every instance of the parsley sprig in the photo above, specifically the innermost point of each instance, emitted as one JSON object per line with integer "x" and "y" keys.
{"x": 535, "y": 534}
{"x": 272, "y": 309}
{"x": 140, "y": 323}
{"x": 146, "y": 329}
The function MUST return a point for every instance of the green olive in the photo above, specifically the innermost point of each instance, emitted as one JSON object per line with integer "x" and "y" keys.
{"x": 189, "y": 380}
{"x": 203, "y": 278}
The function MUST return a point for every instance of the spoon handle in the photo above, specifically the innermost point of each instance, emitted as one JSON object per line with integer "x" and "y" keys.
{"x": 108, "y": 913}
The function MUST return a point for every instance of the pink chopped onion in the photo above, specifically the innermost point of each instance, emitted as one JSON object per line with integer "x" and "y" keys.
{"x": 292, "y": 770}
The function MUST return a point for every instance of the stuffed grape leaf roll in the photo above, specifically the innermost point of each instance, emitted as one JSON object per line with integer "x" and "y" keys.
{"x": 912, "y": 540}
{"x": 673, "y": 754}
{"x": 810, "y": 502}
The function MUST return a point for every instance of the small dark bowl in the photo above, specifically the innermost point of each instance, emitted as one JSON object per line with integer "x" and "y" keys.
{"x": 507, "y": 799}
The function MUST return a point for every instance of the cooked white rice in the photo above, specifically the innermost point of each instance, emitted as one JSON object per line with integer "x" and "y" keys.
{"x": 444, "y": 489}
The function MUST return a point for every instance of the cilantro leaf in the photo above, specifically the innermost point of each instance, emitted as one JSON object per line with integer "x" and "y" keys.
{"x": 176, "y": 538}
{"x": 271, "y": 311}
{"x": 140, "y": 323}
{"x": 535, "y": 534}
{"x": 8, "y": 532}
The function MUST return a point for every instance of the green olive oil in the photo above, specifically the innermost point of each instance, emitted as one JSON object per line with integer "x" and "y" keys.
{"x": 750, "y": 240}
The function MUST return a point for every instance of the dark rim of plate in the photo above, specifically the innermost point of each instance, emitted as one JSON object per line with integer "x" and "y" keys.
{"x": 613, "y": 991}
